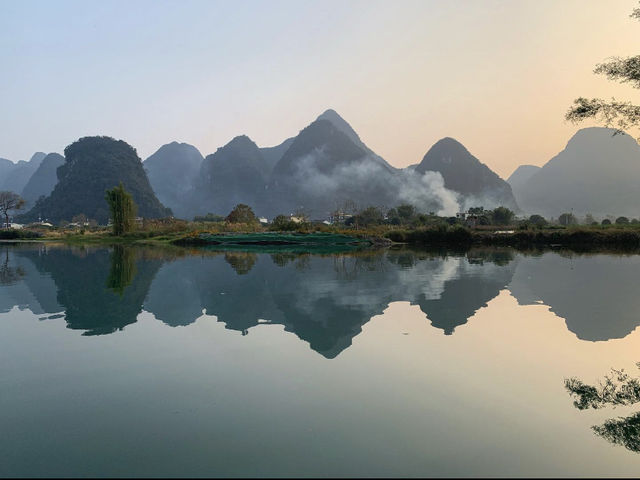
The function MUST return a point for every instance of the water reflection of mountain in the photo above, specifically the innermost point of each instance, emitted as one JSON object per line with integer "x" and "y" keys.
{"x": 474, "y": 281}
{"x": 595, "y": 293}
{"x": 81, "y": 277}
{"x": 32, "y": 290}
{"x": 325, "y": 300}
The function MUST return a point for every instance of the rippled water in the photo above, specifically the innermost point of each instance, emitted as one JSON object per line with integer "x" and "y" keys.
{"x": 145, "y": 362}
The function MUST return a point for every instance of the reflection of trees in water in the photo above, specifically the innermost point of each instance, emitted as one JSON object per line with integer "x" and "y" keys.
{"x": 241, "y": 262}
{"x": 282, "y": 259}
{"x": 350, "y": 267}
{"x": 498, "y": 256}
{"x": 89, "y": 281}
{"x": 123, "y": 269}
{"x": 623, "y": 431}
{"x": 617, "y": 389}
{"x": 9, "y": 275}
{"x": 324, "y": 298}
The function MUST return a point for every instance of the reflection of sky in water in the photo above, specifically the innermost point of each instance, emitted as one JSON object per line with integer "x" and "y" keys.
{"x": 398, "y": 398}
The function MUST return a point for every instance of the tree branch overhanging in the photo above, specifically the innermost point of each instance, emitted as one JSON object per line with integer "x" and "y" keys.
{"x": 614, "y": 114}
{"x": 624, "y": 70}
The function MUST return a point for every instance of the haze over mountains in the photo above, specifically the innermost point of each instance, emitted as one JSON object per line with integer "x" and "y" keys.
{"x": 43, "y": 180}
{"x": 327, "y": 167}
{"x": 598, "y": 172}
{"x": 465, "y": 174}
{"x": 16, "y": 175}
{"x": 172, "y": 172}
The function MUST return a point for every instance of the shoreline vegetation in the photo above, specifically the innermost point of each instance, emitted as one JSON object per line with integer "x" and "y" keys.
{"x": 372, "y": 227}
{"x": 223, "y": 235}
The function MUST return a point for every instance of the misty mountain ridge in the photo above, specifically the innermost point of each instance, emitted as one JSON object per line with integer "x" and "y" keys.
{"x": 43, "y": 180}
{"x": 172, "y": 171}
{"x": 326, "y": 167}
{"x": 598, "y": 172}
{"x": 463, "y": 173}
{"x": 520, "y": 176}
{"x": 341, "y": 124}
{"x": 235, "y": 173}
{"x": 17, "y": 175}
{"x": 272, "y": 155}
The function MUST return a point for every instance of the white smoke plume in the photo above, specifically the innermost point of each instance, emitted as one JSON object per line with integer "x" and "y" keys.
{"x": 422, "y": 191}
{"x": 370, "y": 182}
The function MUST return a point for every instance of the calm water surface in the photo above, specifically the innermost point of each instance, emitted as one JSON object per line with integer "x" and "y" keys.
{"x": 139, "y": 362}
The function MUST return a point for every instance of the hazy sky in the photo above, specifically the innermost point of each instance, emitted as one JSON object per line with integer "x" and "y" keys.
{"x": 498, "y": 75}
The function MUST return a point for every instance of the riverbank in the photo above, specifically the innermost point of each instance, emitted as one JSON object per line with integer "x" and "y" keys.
{"x": 237, "y": 237}
{"x": 583, "y": 237}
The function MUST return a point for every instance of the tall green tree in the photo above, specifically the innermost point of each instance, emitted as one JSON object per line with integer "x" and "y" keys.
{"x": 123, "y": 209}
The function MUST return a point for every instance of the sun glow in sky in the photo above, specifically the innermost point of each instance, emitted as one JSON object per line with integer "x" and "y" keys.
{"x": 497, "y": 75}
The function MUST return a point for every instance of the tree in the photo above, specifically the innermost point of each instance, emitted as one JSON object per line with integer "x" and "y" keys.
{"x": 209, "y": 217}
{"x": 241, "y": 213}
{"x": 10, "y": 201}
{"x": 622, "y": 221}
{"x": 502, "y": 216}
{"x": 392, "y": 216}
{"x": 620, "y": 115}
{"x": 537, "y": 220}
{"x": 406, "y": 212}
{"x": 606, "y": 221}
{"x": 370, "y": 216}
{"x": 283, "y": 223}
{"x": 123, "y": 209}
{"x": 476, "y": 211}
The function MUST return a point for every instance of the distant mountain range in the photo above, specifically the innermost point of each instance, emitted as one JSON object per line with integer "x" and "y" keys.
{"x": 172, "y": 172}
{"x": 324, "y": 168}
{"x": 327, "y": 167}
{"x": 598, "y": 172}
{"x": 43, "y": 180}
{"x": 14, "y": 176}
{"x": 93, "y": 165}
{"x": 465, "y": 174}
{"x": 235, "y": 173}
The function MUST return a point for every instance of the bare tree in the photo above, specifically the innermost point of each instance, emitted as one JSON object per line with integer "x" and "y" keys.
{"x": 617, "y": 114}
{"x": 10, "y": 201}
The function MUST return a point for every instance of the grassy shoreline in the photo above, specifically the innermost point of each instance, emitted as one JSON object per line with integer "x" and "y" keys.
{"x": 626, "y": 237}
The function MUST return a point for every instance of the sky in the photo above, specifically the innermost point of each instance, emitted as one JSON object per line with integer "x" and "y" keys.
{"x": 497, "y": 75}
